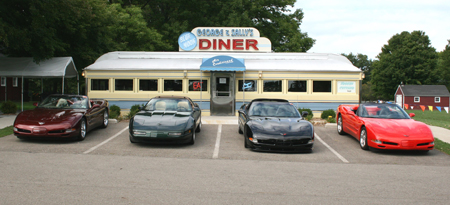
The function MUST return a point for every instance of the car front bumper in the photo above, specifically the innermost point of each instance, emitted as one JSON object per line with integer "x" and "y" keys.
{"x": 282, "y": 145}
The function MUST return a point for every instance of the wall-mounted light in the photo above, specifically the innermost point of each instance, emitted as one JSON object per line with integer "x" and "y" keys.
{"x": 83, "y": 73}
{"x": 260, "y": 74}
{"x": 185, "y": 74}
{"x": 363, "y": 76}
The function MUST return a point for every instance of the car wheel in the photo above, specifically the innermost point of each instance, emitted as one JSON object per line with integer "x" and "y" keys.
{"x": 131, "y": 139}
{"x": 363, "y": 139}
{"x": 246, "y": 143}
{"x": 340, "y": 126}
{"x": 240, "y": 130}
{"x": 105, "y": 119}
{"x": 83, "y": 129}
{"x": 192, "y": 138}
{"x": 199, "y": 127}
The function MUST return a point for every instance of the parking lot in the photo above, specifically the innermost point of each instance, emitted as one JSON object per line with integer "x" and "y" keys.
{"x": 106, "y": 168}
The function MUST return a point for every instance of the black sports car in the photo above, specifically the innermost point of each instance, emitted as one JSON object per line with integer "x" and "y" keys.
{"x": 275, "y": 125}
{"x": 166, "y": 119}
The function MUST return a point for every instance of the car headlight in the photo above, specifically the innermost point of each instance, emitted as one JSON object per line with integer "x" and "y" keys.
{"x": 432, "y": 143}
{"x": 175, "y": 133}
{"x": 139, "y": 133}
{"x": 71, "y": 130}
{"x": 15, "y": 129}
{"x": 376, "y": 141}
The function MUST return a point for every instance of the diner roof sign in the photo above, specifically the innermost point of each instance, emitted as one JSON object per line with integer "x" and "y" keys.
{"x": 224, "y": 39}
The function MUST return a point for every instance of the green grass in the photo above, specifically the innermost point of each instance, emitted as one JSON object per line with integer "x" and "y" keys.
{"x": 434, "y": 118}
{"x": 26, "y": 105}
{"x": 6, "y": 131}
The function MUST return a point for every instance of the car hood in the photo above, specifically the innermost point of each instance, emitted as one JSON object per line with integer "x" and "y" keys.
{"x": 49, "y": 116}
{"x": 398, "y": 127}
{"x": 280, "y": 126}
{"x": 158, "y": 120}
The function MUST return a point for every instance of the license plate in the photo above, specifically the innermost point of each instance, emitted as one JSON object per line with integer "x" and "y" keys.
{"x": 153, "y": 134}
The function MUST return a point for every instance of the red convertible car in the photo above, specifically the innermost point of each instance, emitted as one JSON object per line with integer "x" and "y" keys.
{"x": 62, "y": 116}
{"x": 383, "y": 126}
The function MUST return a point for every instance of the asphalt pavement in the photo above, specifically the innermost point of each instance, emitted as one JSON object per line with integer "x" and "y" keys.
{"x": 438, "y": 132}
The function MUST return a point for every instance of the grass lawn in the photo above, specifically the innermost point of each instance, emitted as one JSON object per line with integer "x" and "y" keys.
{"x": 434, "y": 118}
{"x": 6, "y": 131}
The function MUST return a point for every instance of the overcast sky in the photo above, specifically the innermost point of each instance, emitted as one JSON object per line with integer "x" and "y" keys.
{"x": 364, "y": 26}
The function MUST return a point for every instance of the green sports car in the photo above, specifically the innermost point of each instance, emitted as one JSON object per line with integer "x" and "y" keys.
{"x": 166, "y": 119}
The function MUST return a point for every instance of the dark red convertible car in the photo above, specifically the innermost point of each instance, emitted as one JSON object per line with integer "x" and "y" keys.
{"x": 383, "y": 126}
{"x": 62, "y": 116}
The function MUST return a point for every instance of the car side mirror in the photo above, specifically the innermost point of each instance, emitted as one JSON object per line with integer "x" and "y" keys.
{"x": 95, "y": 106}
{"x": 196, "y": 105}
{"x": 197, "y": 108}
{"x": 412, "y": 114}
{"x": 305, "y": 113}
{"x": 243, "y": 106}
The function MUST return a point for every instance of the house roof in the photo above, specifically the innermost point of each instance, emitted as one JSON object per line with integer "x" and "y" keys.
{"x": 26, "y": 67}
{"x": 130, "y": 60}
{"x": 425, "y": 90}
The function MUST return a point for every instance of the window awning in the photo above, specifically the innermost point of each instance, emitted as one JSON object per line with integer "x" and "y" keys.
{"x": 223, "y": 63}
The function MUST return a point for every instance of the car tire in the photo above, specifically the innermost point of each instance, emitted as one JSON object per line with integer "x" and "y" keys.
{"x": 192, "y": 138}
{"x": 83, "y": 130}
{"x": 131, "y": 139}
{"x": 105, "y": 119}
{"x": 246, "y": 143}
{"x": 340, "y": 126}
{"x": 363, "y": 139}
{"x": 240, "y": 130}
{"x": 199, "y": 127}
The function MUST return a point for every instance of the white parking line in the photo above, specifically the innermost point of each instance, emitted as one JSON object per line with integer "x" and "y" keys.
{"x": 331, "y": 149}
{"x": 106, "y": 141}
{"x": 216, "y": 148}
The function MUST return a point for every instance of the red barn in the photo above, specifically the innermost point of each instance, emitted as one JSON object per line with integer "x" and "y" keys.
{"x": 425, "y": 95}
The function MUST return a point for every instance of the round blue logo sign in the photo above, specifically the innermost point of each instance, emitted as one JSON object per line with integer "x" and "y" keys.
{"x": 187, "y": 41}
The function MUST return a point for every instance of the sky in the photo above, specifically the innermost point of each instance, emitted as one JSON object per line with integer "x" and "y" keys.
{"x": 365, "y": 26}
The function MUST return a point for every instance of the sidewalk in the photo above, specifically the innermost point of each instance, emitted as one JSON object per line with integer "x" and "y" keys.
{"x": 438, "y": 132}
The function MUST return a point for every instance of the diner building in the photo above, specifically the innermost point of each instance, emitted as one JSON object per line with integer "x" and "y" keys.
{"x": 221, "y": 69}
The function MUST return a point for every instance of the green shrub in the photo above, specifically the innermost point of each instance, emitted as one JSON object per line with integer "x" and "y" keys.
{"x": 331, "y": 120}
{"x": 326, "y": 113}
{"x": 134, "y": 109}
{"x": 114, "y": 111}
{"x": 8, "y": 107}
{"x": 310, "y": 113}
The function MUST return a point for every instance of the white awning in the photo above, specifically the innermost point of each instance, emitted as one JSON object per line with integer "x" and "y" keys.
{"x": 25, "y": 67}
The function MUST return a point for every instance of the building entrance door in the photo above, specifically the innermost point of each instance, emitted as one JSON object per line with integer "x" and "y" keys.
{"x": 222, "y": 96}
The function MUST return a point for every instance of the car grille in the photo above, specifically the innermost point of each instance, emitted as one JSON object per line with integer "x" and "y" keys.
{"x": 423, "y": 144}
{"x": 390, "y": 143}
{"x": 23, "y": 130}
{"x": 283, "y": 142}
{"x": 56, "y": 131}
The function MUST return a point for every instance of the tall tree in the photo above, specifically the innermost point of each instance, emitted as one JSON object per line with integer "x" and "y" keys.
{"x": 362, "y": 62}
{"x": 408, "y": 58}
{"x": 273, "y": 18}
{"x": 83, "y": 29}
{"x": 443, "y": 69}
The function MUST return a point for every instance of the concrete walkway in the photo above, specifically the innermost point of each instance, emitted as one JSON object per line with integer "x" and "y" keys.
{"x": 438, "y": 132}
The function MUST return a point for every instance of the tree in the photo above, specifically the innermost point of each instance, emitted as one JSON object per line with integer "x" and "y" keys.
{"x": 362, "y": 62}
{"x": 443, "y": 68}
{"x": 408, "y": 58}
{"x": 272, "y": 18}
{"x": 83, "y": 29}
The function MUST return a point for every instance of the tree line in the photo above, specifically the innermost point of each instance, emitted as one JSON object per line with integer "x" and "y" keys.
{"x": 86, "y": 29}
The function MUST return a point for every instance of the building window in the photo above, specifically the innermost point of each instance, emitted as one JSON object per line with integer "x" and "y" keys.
{"x": 297, "y": 86}
{"x": 15, "y": 82}
{"x": 123, "y": 84}
{"x": 248, "y": 86}
{"x": 322, "y": 86}
{"x": 99, "y": 84}
{"x": 437, "y": 99}
{"x": 416, "y": 99}
{"x": 148, "y": 85}
{"x": 173, "y": 85}
{"x": 3, "y": 83}
{"x": 195, "y": 85}
{"x": 272, "y": 86}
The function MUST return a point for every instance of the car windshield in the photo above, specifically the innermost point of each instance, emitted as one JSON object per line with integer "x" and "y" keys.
{"x": 273, "y": 109}
{"x": 387, "y": 111}
{"x": 168, "y": 104}
{"x": 70, "y": 102}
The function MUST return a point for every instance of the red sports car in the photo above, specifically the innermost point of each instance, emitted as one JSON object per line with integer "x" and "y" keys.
{"x": 383, "y": 126}
{"x": 62, "y": 116}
